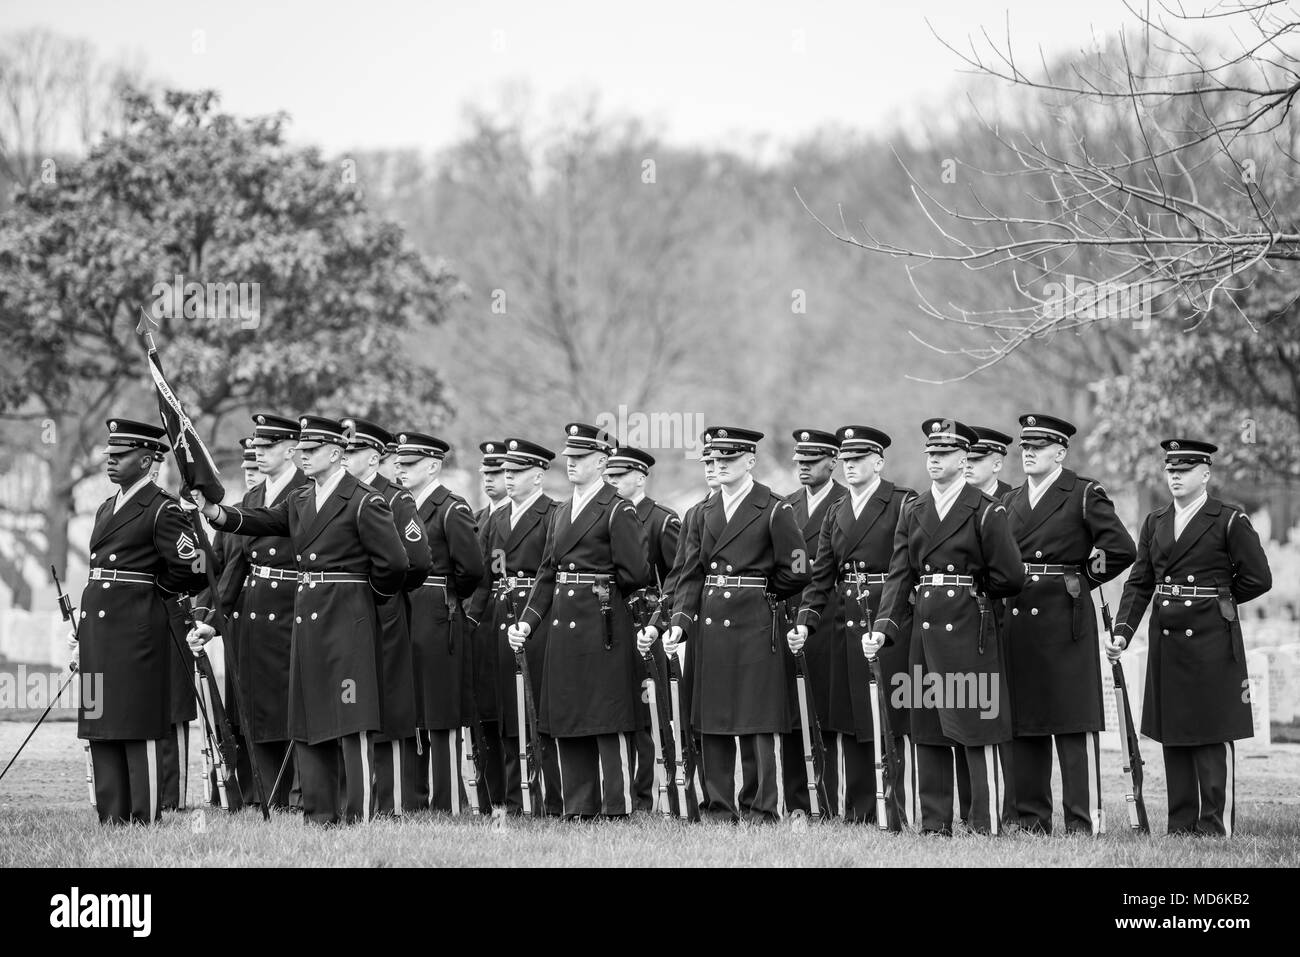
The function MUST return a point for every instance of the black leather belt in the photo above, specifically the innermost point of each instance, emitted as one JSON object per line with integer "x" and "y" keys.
{"x": 1187, "y": 591}
{"x": 116, "y": 575}
{"x": 864, "y": 578}
{"x": 327, "y": 578}
{"x": 735, "y": 581}
{"x": 960, "y": 581}
{"x": 275, "y": 574}
{"x": 1032, "y": 569}
{"x": 582, "y": 578}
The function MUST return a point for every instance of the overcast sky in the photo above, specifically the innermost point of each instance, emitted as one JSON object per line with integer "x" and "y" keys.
{"x": 383, "y": 73}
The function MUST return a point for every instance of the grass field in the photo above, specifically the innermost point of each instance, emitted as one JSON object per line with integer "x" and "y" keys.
{"x": 46, "y": 820}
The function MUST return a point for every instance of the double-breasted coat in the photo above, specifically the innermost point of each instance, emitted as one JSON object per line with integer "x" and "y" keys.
{"x": 817, "y": 655}
{"x": 516, "y": 553}
{"x": 124, "y": 630}
{"x": 860, "y": 544}
{"x": 334, "y": 662}
{"x": 259, "y": 613}
{"x": 439, "y": 633}
{"x": 736, "y": 633}
{"x": 588, "y": 688}
{"x": 955, "y": 648}
{"x": 1051, "y": 624}
{"x": 1196, "y": 686}
{"x": 398, "y": 670}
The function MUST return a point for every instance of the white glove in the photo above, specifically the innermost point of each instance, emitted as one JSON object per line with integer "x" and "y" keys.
{"x": 672, "y": 637}
{"x": 1115, "y": 647}
{"x": 646, "y": 637}
{"x": 199, "y": 636}
{"x": 796, "y": 637}
{"x": 73, "y": 644}
{"x": 518, "y": 634}
{"x": 872, "y": 643}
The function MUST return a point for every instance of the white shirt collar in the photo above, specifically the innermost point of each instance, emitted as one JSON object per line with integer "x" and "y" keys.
{"x": 943, "y": 500}
{"x": 580, "y": 499}
{"x": 323, "y": 491}
{"x": 1184, "y": 515}
{"x": 424, "y": 495}
{"x": 275, "y": 486}
{"x": 637, "y": 496}
{"x": 494, "y": 507}
{"x": 1038, "y": 489}
{"x": 815, "y": 499}
{"x": 124, "y": 494}
{"x": 370, "y": 476}
{"x": 517, "y": 509}
{"x": 859, "y": 498}
{"x": 991, "y": 488}
{"x": 731, "y": 501}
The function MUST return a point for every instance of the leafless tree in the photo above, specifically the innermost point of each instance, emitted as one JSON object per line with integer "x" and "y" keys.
{"x": 1171, "y": 216}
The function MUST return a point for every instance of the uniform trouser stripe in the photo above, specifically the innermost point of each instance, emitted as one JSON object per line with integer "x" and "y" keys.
{"x": 625, "y": 767}
{"x": 396, "y": 746}
{"x": 151, "y": 764}
{"x": 1094, "y": 783}
{"x": 365, "y": 776}
{"x": 453, "y": 767}
{"x": 909, "y": 782}
{"x": 738, "y": 773}
{"x": 559, "y": 760}
{"x": 183, "y": 762}
{"x": 991, "y": 771}
{"x": 780, "y": 775}
{"x": 1230, "y": 784}
{"x": 842, "y": 787}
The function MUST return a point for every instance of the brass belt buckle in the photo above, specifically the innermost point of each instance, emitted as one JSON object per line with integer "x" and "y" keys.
{"x": 1176, "y": 590}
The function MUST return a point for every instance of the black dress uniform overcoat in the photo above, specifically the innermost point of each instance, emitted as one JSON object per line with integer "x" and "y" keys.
{"x": 947, "y": 621}
{"x": 398, "y": 674}
{"x": 518, "y": 552}
{"x": 1051, "y": 625}
{"x": 662, "y": 529}
{"x": 439, "y": 636}
{"x": 1196, "y": 687}
{"x": 589, "y": 689}
{"x": 124, "y": 632}
{"x": 817, "y": 655}
{"x": 334, "y": 687}
{"x": 481, "y": 666}
{"x": 864, "y": 544}
{"x": 687, "y": 546}
{"x": 740, "y": 681}
{"x": 260, "y": 614}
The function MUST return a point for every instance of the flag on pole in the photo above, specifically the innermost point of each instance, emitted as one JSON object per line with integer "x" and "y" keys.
{"x": 197, "y": 469}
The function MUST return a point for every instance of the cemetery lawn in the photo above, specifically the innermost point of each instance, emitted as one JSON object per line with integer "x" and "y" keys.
{"x": 46, "y": 821}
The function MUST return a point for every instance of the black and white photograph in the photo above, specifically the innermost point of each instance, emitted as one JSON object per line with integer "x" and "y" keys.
{"x": 587, "y": 435}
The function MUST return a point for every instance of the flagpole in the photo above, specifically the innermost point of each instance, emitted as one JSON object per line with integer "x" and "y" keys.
{"x": 218, "y": 618}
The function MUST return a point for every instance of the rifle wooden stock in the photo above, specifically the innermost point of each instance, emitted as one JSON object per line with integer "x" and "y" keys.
{"x": 1128, "y": 739}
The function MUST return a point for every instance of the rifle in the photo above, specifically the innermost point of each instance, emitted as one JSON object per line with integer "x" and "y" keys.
{"x": 688, "y": 807}
{"x": 221, "y": 748}
{"x": 882, "y": 737}
{"x": 1128, "y": 738}
{"x": 665, "y": 752}
{"x": 530, "y": 745}
{"x": 472, "y": 761}
{"x": 814, "y": 748}
{"x": 69, "y": 615}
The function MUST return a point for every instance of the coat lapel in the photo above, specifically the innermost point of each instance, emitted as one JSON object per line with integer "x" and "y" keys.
{"x": 1201, "y": 521}
{"x": 872, "y": 511}
{"x": 968, "y": 499}
{"x": 744, "y": 515}
{"x": 129, "y": 510}
{"x": 334, "y": 504}
{"x": 527, "y": 522}
{"x": 571, "y": 532}
{"x": 1053, "y": 498}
